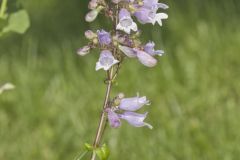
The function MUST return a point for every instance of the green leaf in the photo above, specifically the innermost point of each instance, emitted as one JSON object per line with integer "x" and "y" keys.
{"x": 103, "y": 152}
{"x": 88, "y": 147}
{"x": 18, "y": 22}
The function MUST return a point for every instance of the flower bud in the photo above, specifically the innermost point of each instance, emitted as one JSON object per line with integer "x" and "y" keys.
{"x": 90, "y": 34}
{"x": 92, "y": 4}
{"x": 83, "y": 51}
{"x": 117, "y": 102}
{"x": 121, "y": 95}
{"x": 92, "y": 15}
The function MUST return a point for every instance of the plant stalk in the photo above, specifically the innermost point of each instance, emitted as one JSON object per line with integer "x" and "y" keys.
{"x": 110, "y": 77}
{"x": 103, "y": 118}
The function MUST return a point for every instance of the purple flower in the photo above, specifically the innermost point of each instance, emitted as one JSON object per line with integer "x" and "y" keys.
{"x": 148, "y": 12}
{"x": 126, "y": 23}
{"x": 106, "y": 60}
{"x": 149, "y": 48}
{"x": 153, "y": 4}
{"x": 135, "y": 119}
{"x": 145, "y": 15}
{"x": 113, "y": 118}
{"x": 117, "y": 1}
{"x": 145, "y": 58}
{"x": 104, "y": 37}
{"x": 133, "y": 104}
{"x": 83, "y": 51}
{"x": 127, "y": 51}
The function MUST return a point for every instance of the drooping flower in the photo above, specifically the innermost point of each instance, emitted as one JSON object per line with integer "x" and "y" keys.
{"x": 127, "y": 51}
{"x": 126, "y": 23}
{"x": 104, "y": 37}
{"x": 113, "y": 118}
{"x": 133, "y": 104}
{"x": 106, "y": 60}
{"x": 149, "y": 48}
{"x": 135, "y": 119}
{"x": 84, "y": 50}
{"x": 145, "y": 58}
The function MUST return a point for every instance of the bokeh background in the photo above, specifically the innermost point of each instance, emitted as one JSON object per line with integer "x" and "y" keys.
{"x": 194, "y": 90}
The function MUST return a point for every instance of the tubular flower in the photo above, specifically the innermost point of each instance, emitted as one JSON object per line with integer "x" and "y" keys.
{"x": 113, "y": 118}
{"x": 126, "y": 23}
{"x": 135, "y": 119}
{"x": 104, "y": 37}
{"x": 148, "y": 12}
{"x": 134, "y": 103}
{"x": 149, "y": 48}
{"x": 145, "y": 58}
{"x": 127, "y": 108}
{"x": 106, "y": 60}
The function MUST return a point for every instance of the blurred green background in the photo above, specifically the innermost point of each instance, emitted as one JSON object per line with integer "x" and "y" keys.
{"x": 194, "y": 90}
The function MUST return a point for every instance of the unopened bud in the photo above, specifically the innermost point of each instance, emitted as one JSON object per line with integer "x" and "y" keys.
{"x": 91, "y": 16}
{"x": 117, "y": 102}
{"x": 92, "y": 4}
{"x": 84, "y": 50}
{"x": 121, "y": 95}
{"x": 90, "y": 34}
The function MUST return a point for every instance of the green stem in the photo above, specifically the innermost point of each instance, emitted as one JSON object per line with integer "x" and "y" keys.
{"x": 3, "y": 8}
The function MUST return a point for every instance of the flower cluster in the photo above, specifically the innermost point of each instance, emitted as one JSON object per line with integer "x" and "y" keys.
{"x": 124, "y": 108}
{"x": 125, "y": 37}
{"x": 123, "y": 42}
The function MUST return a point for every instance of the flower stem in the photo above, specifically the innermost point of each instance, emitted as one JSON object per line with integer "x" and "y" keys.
{"x": 103, "y": 119}
{"x": 111, "y": 76}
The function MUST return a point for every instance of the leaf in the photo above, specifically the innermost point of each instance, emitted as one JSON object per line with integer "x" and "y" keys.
{"x": 103, "y": 152}
{"x": 88, "y": 147}
{"x": 18, "y": 22}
